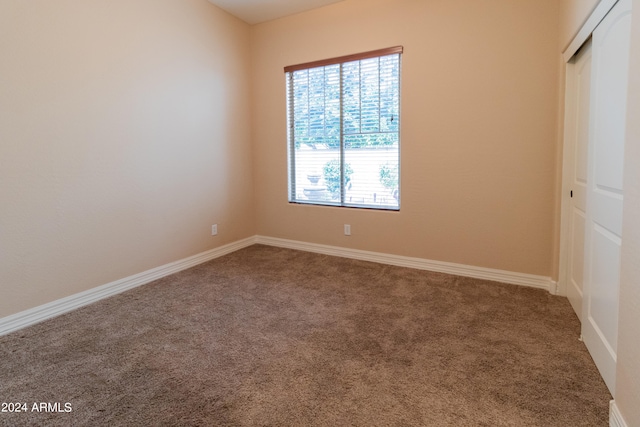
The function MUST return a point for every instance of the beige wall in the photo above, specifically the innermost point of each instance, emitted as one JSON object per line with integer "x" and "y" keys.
{"x": 479, "y": 105}
{"x": 628, "y": 365}
{"x": 124, "y": 134}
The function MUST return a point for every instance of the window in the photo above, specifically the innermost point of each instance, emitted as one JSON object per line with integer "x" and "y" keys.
{"x": 344, "y": 130}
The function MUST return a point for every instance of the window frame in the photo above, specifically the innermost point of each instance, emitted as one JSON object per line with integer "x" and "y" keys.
{"x": 291, "y": 167}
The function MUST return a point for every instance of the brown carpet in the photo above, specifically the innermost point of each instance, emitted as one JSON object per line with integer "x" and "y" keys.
{"x": 269, "y": 336}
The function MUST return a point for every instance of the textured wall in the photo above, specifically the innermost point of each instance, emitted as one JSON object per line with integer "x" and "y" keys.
{"x": 123, "y": 136}
{"x": 479, "y": 105}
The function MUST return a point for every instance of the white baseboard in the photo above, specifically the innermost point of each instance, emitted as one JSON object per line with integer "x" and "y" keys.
{"x": 615, "y": 417}
{"x": 522, "y": 279}
{"x": 64, "y": 305}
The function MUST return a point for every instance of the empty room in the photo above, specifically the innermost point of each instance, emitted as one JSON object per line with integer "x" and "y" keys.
{"x": 320, "y": 212}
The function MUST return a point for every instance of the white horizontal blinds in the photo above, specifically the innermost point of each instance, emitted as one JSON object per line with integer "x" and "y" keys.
{"x": 343, "y": 132}
{"x": 371, "y": 103}
{"x": 315, "y": 124}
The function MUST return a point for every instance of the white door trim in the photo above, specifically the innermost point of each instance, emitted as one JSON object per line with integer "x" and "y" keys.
{"x": 567, "y": 159}
{"x": 598, "y": 14}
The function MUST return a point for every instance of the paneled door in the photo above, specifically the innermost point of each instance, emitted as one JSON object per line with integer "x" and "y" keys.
{"x": 578, "y": 108}
{"x": 603, "y": 222}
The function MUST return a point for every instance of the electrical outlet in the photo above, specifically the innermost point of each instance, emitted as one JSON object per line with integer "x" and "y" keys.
{"x": 214, "y": 229}
{"x": 347, "y": 230}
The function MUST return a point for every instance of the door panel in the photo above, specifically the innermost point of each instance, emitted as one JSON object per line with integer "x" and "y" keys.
{"x": 603, "y": 307}
{"x": 610, "y": 63}
{"x": 607, "y": 209}
{"x": 612, "y": 38}
{"x": 579, "y": 105}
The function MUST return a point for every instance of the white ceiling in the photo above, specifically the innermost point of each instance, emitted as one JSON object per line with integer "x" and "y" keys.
{"x": 256, "y": 11}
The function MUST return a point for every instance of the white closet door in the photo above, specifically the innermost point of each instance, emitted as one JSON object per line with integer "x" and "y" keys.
{"x": 611, "y": 41}
{"x": 578, "y": 109}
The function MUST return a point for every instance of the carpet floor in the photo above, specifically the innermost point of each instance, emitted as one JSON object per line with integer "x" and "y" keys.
{"x": 274, "y": 337}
